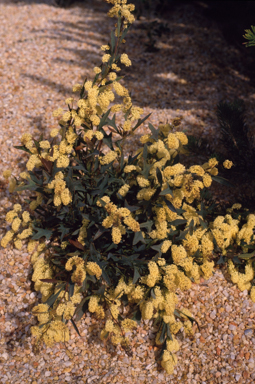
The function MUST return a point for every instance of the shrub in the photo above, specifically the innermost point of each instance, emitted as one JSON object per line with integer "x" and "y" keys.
{"x": 116, "y": 234}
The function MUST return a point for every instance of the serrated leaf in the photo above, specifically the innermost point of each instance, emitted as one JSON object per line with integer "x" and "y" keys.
{"x": 138, "y": 237}
{"x": 182, "y": 235}
{"x": 157, "y": 247}
{"x": 140, "y": 121}
{"x": 221, "y": 260}
{"x": 166, "y": 191}
{"x": 31, "y": 186}
{"x": 131, "y": 208}
{"x": 42, "y": 233}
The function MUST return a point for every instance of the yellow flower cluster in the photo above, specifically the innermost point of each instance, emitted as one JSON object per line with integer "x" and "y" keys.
{"x": 169, "y": 361}
{"x": 79, "y": 273}
{"x": 94, "y": 307}
{"x": 93, "y": 268}
{"x": 108, "y": 158}
{"x": 114, "y": 220}
{"x": 247, "y": 231}
{"x": 243, "y": 280}
{"x": 153, "y": 277}
{"x": 124, "y": 9}
{"x": 225, "y": 231}
{"x": 61, "y": 192}
{"x": 227, "y": 164}
{"x": 42, "y": 270}
{"x": 83, "y": 231}
{"x": 54, "y": 332}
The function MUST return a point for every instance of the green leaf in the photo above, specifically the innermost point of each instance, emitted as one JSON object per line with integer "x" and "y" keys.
{"x": 250, "y": 35}
{"x": 166, "y": 191}
{"x": 119, "y": 25}
{"x": 51, "y": 300}
{"x": 42, "y": 233}
{"x": 182, "y": 235}
{"x": 140, "y": 121}
{"x": 145, "y": 152}
{"x": 22, "y": 148}
{"x": 124, "y": 33}
{"x": 99, "y": 233}
{"x": 157, "y": 247}
{"x": 71, "y": 289}
{"x": 136, "y": 275}
{"x": 112, "y": 42}
{"x": 137, "y": 316}
{"x": 169, "y": 334}
{"x": 221, "y": 260}
{"x": 246, "y": 256}
{"x": 131, "y": 208}
{"x": 159, "y": 176}
{"x": 106, "y": 277}
{"x": 103, "y": 119}
{"x": 170, "y": 205}
{"x": 31, "y": 186}
{"x": 75, "y": 327}
{"x": 163, "y": 333}
{"x": 222, "y": 181}
{"x": 178, "y": 222}
{"x": 148, "y": 224}
{"x": 138, "y": 237}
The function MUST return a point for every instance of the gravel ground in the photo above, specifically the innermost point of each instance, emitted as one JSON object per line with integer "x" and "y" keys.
{"x": 44, "y": 51}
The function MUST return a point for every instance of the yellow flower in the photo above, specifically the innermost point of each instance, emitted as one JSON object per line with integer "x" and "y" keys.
{"x": 227, "y": 164}
{"x": 165, "y": 246}
{"x": 116, "y": 235}
{"x": 108, "y": 158}
{"x": 124, "y": 190}
{"x": 106, "y": 58}
{"x": 93, "y": 269}
{"x": 97, "y": 70}
{"x": 7, "y": 174}
{"x": 252, "y": 294}
{"x": 172, "y": 141}
{"x": 125, "y": 60}
{"x": 207, "y": 180}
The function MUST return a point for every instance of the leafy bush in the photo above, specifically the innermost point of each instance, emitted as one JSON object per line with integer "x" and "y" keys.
{"x": 115, "y": 234}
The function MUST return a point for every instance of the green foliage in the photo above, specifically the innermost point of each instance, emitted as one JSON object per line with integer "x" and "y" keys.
{"x": 250, "y": 36}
